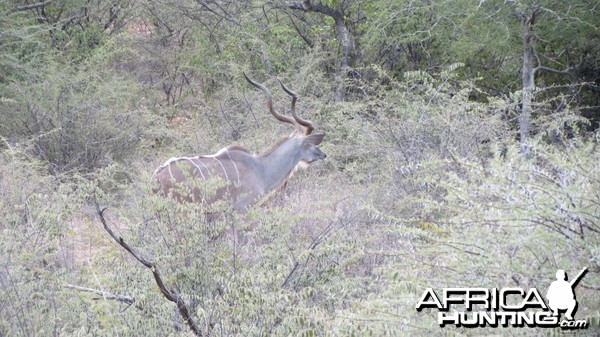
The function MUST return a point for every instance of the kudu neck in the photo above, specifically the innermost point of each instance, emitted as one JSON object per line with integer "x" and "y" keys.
{"x": 280, "y": 163}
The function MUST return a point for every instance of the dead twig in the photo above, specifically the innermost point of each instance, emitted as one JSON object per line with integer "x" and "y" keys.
{"x": 32, "y": 6}
{"x": 105, "y": 295}
{"x": 322, "y": 236}
{"x": 169, "y": 295}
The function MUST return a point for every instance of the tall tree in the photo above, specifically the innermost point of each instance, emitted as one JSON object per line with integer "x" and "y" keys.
{"x": 533, "y": 61}
{"x": 338, "y": 11}
{"x": 550, "y": 44}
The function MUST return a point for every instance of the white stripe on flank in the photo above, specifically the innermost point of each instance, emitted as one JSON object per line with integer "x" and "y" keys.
{"x": 198, "y": 167}
{"x": 170, "y": 173}
{"x": 167, "y": 163}
{"x": 234, "y": 166}
{"x": 224, "y": 171}
{"x": 207, "y": 168}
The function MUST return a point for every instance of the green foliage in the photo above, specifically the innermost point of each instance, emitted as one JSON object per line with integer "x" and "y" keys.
{"x": 424, "y": 184}
{"x": 75, "y": 119}
{"x": 32, "y": 261}
{"x": 510, "y": 221}
{"x": 24, "y": 55}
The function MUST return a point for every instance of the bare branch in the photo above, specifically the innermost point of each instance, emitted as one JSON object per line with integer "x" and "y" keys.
{"x": 171, "y": 296}
{"x": 567, "y": 71}
{"x": 552, "y": 70}
{"x": 32, "y": 6}
{"x": 323, "y": 235}
{"x": 114, "y": 14}
{"x": 300, "y": 32}
{"x": 106, "y": 295}
{"x": 308, "y": 6}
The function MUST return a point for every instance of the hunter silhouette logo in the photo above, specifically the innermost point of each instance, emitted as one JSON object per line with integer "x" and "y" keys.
{"x": 561, "y": 294}
{"x": 516, "y": 307}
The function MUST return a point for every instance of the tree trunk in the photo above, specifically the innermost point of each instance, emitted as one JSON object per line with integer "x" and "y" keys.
{"x": 347, "y": 46}
{"x": 527, "y": 76}
{"x": 347, "y": 59}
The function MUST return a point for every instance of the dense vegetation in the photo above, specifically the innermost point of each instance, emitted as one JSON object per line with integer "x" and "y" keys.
{"x": 462, "y": 141}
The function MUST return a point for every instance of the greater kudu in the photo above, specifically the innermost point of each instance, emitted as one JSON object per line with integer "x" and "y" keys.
{"x": 247, "y": 177}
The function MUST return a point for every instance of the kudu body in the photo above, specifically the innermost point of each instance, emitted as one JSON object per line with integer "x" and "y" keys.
{"x": 246, "y": 178}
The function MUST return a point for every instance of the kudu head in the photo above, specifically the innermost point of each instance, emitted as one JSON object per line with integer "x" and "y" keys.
{"x": 248, "y": 178}
{"x": 306, "y": 142}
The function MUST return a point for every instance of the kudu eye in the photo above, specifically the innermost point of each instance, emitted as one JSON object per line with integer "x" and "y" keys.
{"x": 241, "y": 170}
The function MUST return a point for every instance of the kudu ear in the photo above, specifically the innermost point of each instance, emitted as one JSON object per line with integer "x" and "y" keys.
{"x": 314, "y": 139}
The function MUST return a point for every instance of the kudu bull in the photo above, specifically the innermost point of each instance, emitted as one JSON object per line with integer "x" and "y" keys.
{"x": 248, "y": 178}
